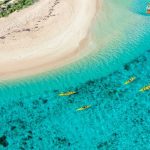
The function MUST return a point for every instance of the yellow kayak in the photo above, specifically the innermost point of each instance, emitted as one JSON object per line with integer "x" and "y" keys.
{"x": 146, "y": 88}
{"x": 67, "y": 93}
{"x": 83, "y": 108}
{"x": 130, "y": 80}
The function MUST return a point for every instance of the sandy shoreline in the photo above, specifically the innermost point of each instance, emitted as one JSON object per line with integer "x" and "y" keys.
{"x": 47, "y": 35}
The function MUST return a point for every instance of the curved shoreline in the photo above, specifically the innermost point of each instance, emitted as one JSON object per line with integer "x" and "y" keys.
{"x": 51, "y": 38}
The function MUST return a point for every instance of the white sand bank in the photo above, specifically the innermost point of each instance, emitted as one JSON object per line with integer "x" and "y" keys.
{"x": 47, "y": 35}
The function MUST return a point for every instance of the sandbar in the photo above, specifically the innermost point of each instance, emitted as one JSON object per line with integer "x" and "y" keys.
{"x": 45, "y": 36}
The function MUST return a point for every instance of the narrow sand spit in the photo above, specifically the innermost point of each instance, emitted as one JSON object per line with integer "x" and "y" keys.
{"x": 47, "y": 35}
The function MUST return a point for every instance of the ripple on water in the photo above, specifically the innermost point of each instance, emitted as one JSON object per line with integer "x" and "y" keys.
{"x": 47, "y": 121}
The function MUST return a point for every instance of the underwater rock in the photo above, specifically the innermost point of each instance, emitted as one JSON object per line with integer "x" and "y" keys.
{"x": 127, "y": 67}
{"x": 40, "y": 139}
{"x": 29, "y": 137}
{"x": 102, "y": 145}
{"x": 70, "y": 101}
{"x": 61, "y": 141}
{"x": 44, "y": 101}
{"x": 30, "y": 132}
{"x": 3, "y": 141}
{"x": 55, "y": 91}
{"x": 13, "y": 127}
{"x": 90, "y": 82}
{"x": 21, "y": 148}
{"x": 110, "y": 143}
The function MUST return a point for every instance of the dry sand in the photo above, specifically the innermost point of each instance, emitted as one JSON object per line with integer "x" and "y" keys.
{"x": 47, "y": 35}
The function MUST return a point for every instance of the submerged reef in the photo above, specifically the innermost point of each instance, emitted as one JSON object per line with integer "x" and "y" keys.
{"x": 118, "y": 119}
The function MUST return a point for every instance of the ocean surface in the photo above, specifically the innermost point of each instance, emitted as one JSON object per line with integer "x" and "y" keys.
{"x": 34, "y": 116}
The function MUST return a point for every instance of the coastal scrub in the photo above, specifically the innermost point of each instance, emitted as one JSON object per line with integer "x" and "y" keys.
{"x": 9, "y": 6}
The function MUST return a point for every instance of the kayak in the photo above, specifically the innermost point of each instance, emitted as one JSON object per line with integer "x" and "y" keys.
{"x": 130, "y": 80}
{"x": 67, "y": 93}
{"x": 84, "y": 107}
{"x": 146, "y": 88}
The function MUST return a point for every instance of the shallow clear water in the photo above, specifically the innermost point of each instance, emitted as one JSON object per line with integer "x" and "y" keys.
{"x": 33, "y": 116}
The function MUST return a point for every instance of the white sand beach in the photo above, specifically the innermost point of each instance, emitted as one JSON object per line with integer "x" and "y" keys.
{"x": 45, "y": 36}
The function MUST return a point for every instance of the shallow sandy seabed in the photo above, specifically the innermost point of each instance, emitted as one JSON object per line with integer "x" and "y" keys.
{"x": 45, "y": 36}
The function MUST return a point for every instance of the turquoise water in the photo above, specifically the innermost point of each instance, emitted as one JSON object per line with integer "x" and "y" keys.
{"x": 33, "y": 116}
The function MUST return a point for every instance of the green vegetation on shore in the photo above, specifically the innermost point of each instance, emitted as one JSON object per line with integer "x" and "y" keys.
{"x": 9, "y": 6}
